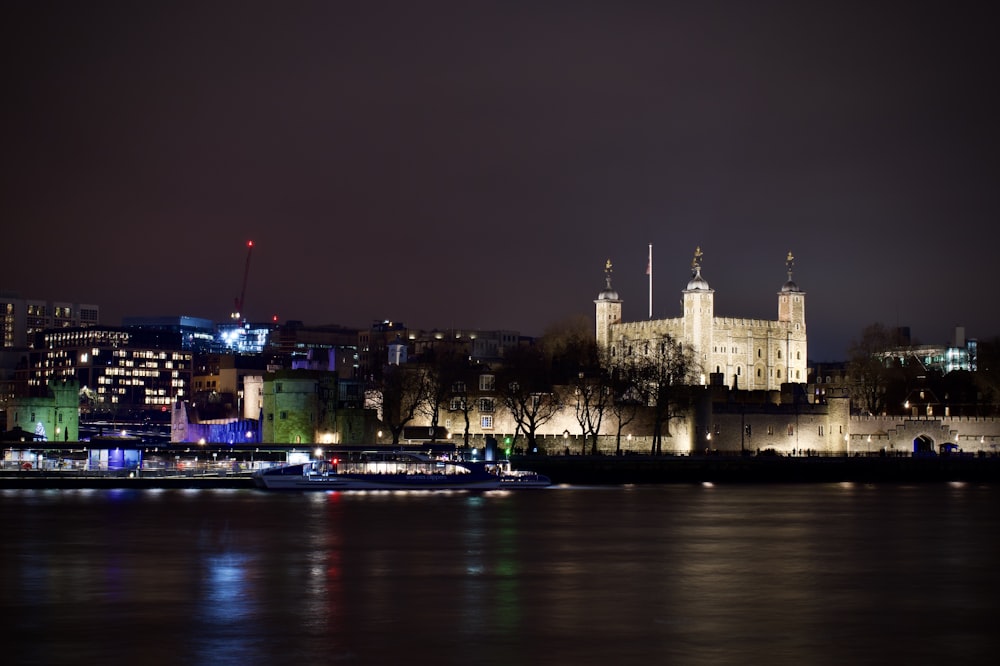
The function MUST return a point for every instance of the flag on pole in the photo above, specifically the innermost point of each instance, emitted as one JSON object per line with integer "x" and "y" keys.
{"x": 649, "y": 272}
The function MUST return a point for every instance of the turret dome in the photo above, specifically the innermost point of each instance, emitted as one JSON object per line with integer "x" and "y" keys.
{"x": 698, "y": 283}
{"x": 789, "y": 286}
{"x": 608, "y": 294}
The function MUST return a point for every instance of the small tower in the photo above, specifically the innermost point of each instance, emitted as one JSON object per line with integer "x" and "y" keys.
{"x": 699, "y": 309}
{"x": 792, "y": 314}
{"x": 791, "y": 299}
{"x": 609, "y": 310}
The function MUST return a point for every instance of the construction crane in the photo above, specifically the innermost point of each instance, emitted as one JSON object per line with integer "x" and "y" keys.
{"x": 238, "y": 303}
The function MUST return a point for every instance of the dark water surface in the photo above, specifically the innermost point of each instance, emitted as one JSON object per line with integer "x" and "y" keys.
{"x": 744, "y": 574}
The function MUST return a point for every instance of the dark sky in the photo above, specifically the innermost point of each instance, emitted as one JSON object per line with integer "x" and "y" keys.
{"x": 473, "y": 164}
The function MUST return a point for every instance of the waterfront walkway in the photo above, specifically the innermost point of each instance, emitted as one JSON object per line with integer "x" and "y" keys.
{"x": 596, "y": 470}
{"x": 69, "y": 479}
{"x": 735, "y": 468}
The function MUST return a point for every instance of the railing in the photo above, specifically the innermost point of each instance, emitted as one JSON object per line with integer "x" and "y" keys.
{"x": 84, "y": 468}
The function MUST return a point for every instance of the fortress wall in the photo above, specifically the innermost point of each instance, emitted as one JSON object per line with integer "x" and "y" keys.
{"x": 896, "y": 434}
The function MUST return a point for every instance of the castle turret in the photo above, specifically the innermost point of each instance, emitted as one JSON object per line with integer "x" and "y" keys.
{"x": 609, "y": 310}
{"x": 791, "y": 299}
{"x": 699, "y": 310}
{"x": 792, "y": 313}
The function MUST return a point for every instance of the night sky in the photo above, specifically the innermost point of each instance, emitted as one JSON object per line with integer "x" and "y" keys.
{"x": 473, "y": 164}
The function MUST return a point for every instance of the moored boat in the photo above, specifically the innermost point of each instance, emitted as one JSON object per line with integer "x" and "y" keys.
{"x": 380, "y": 470}
{"x": 518, "y": 478}
{"x": 524, "y": 479}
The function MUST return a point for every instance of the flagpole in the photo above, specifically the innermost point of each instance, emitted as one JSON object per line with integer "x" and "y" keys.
{"x": 649, "y": 269}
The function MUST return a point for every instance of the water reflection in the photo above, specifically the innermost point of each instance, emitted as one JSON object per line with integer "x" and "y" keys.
{"x": 839, "y": 573}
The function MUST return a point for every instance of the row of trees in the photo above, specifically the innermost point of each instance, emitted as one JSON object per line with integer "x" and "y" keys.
{"x": 881, "y": 377}
{"x": 563, "y": 372}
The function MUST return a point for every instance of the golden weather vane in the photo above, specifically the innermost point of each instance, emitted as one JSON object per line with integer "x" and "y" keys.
{"x": 696, "y": 262}
{"x": 789, "y": 262}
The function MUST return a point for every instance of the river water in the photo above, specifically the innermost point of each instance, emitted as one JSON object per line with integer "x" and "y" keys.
{"x": 681, "y": 574}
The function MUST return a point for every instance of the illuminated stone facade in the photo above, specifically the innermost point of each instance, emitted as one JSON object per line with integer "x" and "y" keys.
{"x": 311, "y": 407}
{"x": 52, "y": 417}
{"x": 754, "y": 354}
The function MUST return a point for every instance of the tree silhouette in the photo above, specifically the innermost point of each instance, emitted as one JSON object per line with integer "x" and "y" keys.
{"x": 665, "y": 371}
{"x": 399, "y": 391}
{"x": 526, "y": 391}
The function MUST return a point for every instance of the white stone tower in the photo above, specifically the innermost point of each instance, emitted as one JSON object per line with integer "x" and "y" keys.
{"x": 699, "y": 310}
{"x": 609, "y": 310}
{"x": 792, "y": 312}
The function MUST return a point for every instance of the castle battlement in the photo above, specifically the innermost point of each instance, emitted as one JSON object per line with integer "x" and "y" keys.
{"x": 736, "y": 322}
{"x": 760, "y": 354}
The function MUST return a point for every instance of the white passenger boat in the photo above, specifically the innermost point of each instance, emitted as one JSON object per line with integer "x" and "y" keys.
{"x": 518, "y": 478}
{"x": 386, "y": 470}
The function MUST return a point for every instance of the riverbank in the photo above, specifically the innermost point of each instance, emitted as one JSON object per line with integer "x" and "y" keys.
{"x": 601, "y": 470}
{"x": 69, "y": 480}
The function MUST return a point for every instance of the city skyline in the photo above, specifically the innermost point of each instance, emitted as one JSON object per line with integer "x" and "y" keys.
{"x": 475, "y": 166}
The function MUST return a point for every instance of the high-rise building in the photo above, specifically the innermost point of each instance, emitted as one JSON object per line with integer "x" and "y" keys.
{"x": 116, "y": 368}
{"x": 22, "y": 318}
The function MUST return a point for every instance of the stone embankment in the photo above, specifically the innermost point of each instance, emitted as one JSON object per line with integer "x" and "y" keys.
{"x": 119, "y": 480}
{"x": 607, "y": 470}
{"x": 602, "y": 470}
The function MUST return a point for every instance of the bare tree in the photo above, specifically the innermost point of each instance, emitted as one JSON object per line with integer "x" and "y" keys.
{"x": 459, "y": 401}
{"x": 868, "y": 370}
{"x": 569, "y": 348}
{"x": 401, "y": 389}
{"x": 987, "y": 375}
{"x": 444, "y": 367}
{"x": 526, "y": 391}
{"x": 626, "y": 389}
{"x": 666, "y": 371}
{"x": 592, "y": 396}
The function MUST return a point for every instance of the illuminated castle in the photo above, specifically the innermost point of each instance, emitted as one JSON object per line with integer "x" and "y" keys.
{"x": 754, "y": 354}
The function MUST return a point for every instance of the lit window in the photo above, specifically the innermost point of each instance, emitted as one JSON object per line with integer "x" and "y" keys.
{"x": 486, "y": 421}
